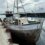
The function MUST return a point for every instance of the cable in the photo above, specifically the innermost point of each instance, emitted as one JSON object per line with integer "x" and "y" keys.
{"x": 22, "y": 6}
{"x": 24, "y": 9}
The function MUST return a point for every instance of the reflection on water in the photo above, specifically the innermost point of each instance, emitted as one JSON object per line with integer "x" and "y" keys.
{"x": 41, "y": 40}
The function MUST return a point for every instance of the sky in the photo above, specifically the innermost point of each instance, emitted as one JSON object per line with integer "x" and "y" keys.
{"x": 31, "y": 6}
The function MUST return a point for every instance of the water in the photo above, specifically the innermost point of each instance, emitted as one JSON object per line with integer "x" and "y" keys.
{"x": 41, "y": 40}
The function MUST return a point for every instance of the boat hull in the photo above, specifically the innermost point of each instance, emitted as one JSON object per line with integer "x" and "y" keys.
{"x": 26, "y": 34}
{"x": 30, "y": 37}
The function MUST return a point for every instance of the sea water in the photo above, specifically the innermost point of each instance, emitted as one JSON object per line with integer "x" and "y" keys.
{"x": 41, "y": 40}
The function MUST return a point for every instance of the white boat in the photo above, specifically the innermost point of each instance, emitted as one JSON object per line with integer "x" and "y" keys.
{"x": 24, "y": 30}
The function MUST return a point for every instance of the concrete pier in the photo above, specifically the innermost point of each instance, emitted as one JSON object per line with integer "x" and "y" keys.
{"x": 4, "y": 36}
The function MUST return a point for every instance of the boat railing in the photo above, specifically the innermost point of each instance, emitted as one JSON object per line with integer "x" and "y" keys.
{"x": 24, "y": 27}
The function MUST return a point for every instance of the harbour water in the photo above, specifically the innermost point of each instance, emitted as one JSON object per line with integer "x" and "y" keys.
{"x": 41, "y": 40}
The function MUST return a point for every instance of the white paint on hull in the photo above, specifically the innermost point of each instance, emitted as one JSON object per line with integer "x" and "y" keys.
{"x": 25, "y": 27}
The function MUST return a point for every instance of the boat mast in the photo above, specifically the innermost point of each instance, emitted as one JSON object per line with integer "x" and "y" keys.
{"x": 17, "y": 11}
{"x": 13, "y": 6}
{"x": 17, "y": 6}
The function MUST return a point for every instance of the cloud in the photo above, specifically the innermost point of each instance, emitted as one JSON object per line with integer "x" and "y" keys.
{"x": 29, "y": 5}
{"x": 32, "y": 5}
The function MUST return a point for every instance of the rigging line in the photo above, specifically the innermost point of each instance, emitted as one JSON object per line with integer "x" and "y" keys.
{"x": 24, "y": 10}
{"x": 22, "y": 6}
{"x": 19, "y": 7}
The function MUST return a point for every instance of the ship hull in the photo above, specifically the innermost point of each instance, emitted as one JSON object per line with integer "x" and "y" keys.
{"x": 24, "y": 34}
{"x": 24, "y": 38}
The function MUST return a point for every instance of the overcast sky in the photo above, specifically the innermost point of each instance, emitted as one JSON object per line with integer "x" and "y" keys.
{"x": 32, "y": 5}
{"x": 29, "y": 5}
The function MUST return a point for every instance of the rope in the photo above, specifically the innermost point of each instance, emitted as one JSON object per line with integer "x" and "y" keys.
{"x": 23, "y": 6}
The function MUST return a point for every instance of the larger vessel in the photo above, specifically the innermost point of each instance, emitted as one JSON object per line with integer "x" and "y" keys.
{"x": 23, "y": 31}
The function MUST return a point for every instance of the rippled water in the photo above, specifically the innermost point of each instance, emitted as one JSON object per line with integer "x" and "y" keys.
{"x": 41, "y": 40}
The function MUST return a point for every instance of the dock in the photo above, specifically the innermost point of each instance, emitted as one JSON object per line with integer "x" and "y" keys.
{"x": 4, "y": 36}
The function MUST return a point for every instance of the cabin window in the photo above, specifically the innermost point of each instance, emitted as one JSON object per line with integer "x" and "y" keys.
{"x": 19, "y": 22}
{"x": 16, "y": 22}
{"x": 22, "y": 23}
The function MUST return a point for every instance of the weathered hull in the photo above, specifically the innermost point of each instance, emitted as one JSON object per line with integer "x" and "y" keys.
{"x": 24, "y": 36}
{"x": 33, "y": 36}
